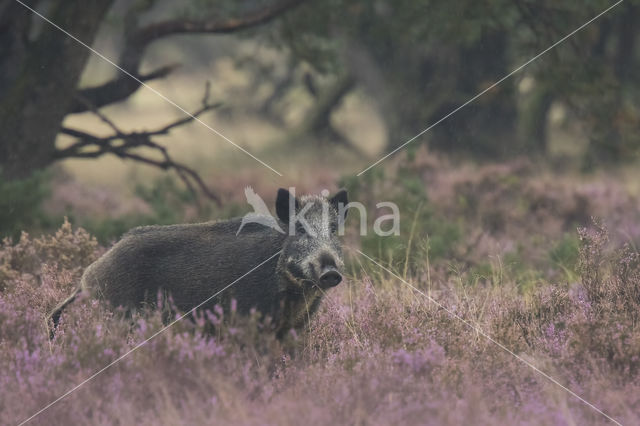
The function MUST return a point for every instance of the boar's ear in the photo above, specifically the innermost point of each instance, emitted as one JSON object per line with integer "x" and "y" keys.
{"x": 282, "y": 204}
{"x": 340, "y": 199}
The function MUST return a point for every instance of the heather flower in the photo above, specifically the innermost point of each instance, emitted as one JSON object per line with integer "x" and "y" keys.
{"x": 376, "y": 353}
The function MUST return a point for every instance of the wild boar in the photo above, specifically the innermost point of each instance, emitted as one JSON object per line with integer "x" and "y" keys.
{"x": 290, "y": 270}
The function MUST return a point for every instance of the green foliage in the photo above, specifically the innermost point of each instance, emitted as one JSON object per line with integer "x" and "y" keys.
{"x": 21, "y": 204}
{"x": 166, "y": 198}
{"x": 423, "y": 232}
{"x": 110, "y": 229}
{"x": 565, "y": 255}
{"x": 422, "y": 59}
{"x": 169, "y": 203}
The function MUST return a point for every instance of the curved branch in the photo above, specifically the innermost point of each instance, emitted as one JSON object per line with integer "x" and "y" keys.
{"x": 157, "y": 30}
{"x": 317, "y": 123}
{"x": 137, "y": 40}
{"x": 117, "y": 89}
{"x": 121, "y": 144}
{"x": 319, "y": 118}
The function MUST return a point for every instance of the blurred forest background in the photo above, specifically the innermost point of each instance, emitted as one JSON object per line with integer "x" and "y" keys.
{"x": 520, "y": 213}
{"x": 317, "y": 90}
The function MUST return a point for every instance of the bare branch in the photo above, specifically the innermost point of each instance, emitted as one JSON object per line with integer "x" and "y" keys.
{"x": 118, "y": 89}
{"x": 95, "y": 110}
{"x": 121, "y": 144}
{"x": 182, "y": 26}
{"x": 318, "y": 119}
{"x": 83, "y": 139}
{"x": 137, "y": 40}
{"x": 164, "y": 130}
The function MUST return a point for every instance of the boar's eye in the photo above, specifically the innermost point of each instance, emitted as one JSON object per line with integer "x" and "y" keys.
{"x": 333, "y": 227}
{"x": 300, "y": 229}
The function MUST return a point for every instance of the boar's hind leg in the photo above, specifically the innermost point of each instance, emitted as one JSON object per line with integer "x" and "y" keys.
{"x": 54, "y": 316}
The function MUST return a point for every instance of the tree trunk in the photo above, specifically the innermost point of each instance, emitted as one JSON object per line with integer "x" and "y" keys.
{"x": 533, "y": 119}
{"x": 485, "y": 128}
{"x": 42, "y": 67}
{"x": 422, "y": 83}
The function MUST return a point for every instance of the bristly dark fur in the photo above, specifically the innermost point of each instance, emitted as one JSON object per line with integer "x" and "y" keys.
{"x": 192, "y": 262}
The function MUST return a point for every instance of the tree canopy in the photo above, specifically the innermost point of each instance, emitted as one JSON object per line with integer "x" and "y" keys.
{"x": 418, "y": 60}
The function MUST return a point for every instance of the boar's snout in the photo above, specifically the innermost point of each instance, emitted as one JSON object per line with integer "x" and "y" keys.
{"x": 330, "y": 278}
{"x": 329, "y": 274}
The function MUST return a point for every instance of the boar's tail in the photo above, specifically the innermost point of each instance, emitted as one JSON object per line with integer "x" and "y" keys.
{"x": 54, "y": 316}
